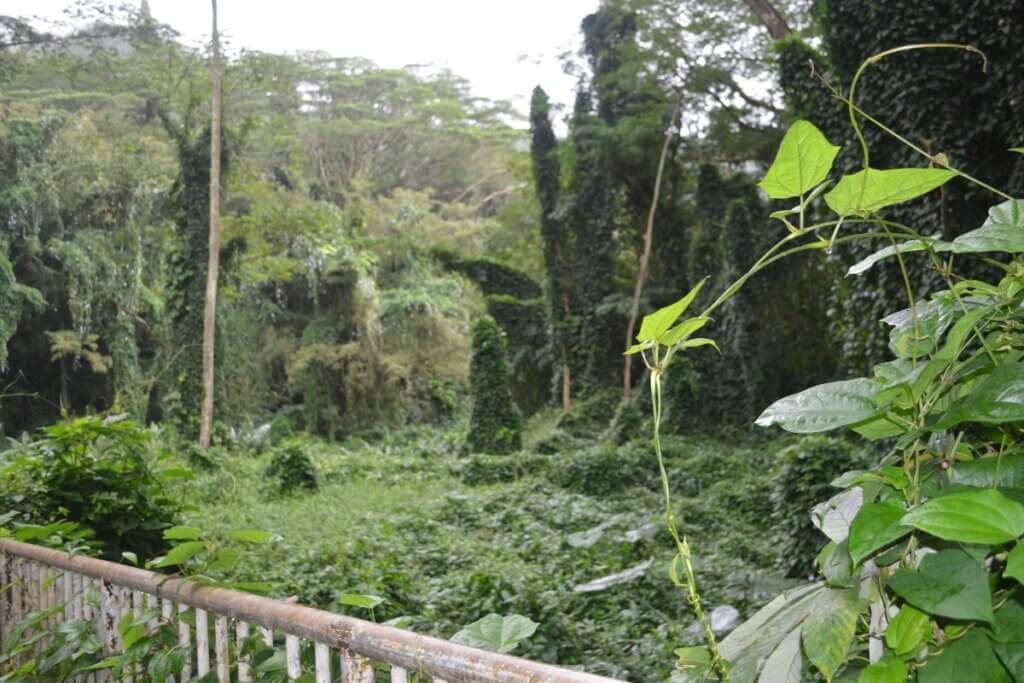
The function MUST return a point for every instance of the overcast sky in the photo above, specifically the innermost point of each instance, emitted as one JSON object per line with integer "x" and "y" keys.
{"x": 503, "y": 48}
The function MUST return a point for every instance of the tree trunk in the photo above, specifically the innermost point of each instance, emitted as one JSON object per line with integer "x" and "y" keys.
{"x": 645, "y": 257}
{"x": 771, "y": 17}
{"x": 213, "y": 262}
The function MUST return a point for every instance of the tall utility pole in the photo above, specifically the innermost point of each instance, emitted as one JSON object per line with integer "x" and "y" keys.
{"x": 213, "y": 261}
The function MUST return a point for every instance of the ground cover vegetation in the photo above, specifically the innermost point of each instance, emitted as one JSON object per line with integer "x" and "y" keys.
{"x": 423, "y": 411}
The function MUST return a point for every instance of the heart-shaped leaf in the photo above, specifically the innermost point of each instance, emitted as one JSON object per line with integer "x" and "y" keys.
{"x": 804, "y": 158}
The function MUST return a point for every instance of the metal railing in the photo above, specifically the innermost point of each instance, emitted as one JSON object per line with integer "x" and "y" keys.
{"x": 346, "y": 649}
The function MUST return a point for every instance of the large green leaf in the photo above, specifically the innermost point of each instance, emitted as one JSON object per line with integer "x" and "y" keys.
{"x": 873, "y": 189}
{"x": 1008, "y": 626}
{"x": 977, "y": 516}
{"x": 969, "y": 658}
{"x": 496, "y": 632}
{"x": 180, "y": 554}
{"x": 786, "y": 663}
{"x": 804, "y": 158}
{"x": 888, "y": 670}
{"x": 932, "y": 318}
{"x": 997, "y": 399}
{"x": 749, "y": 646}
{"x": 828, "y": 631}
{"x": 251, "y": 536}
{"x": 1003, "y": 471}
{"x": 824, "y": 407}
{"x": 950, "y": 584}
{"x": 1002, "y": 231}
{"x": 876, "y": 526}
{"x": 360, "y": 600}
{"x": 907, "y": 630}
{"x": 658, "y": 323}
{"x": 1015, "y": 563}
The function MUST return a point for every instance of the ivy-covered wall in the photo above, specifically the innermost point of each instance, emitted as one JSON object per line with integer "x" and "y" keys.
{"x": 945, "y": 100}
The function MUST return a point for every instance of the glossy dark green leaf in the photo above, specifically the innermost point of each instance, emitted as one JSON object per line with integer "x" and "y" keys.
{"x": 876, "y": 526}
{"x": 888, "y": 670}
{"x": 1002, "y": 231}
{"x": 983, "y": 516}
{"x": 1008, "y": 626}
{"x": 873, "y": 189}
{"x": 1012, "y": 657}
{"x": 1015, "y": 563}
{"x": 804, "y": 158}
{"x": 949, "y": 583}
{"x": 824, "y": 407}
{"x": 997, "y": 399}
{"x": 907, "y": 630}
{"x": 1005, "y": 471}
{"x": 969, "y": 658}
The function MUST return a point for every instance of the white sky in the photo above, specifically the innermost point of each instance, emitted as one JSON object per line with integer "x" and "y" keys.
{"x": 503, "y": 48}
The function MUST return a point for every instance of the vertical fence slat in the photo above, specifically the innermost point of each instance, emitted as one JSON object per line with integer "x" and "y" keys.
{"x": 5, "y": 598}
{"x": 152, "y": 603}
{"x": 268, "y": 636}
{"x": 68, "y": 586}
{"x": 244, "y": 669}
{"x": 17, "y": 586}
{"x": 323, "y": 663}
{"x": 202, "y": 643}
{"x": 220, "y": 628}
{"x": 294, "y": 665}
{"x": 356, "y": 669}
{"x": 398, "y": 675}
{"x": 185, "y": 641}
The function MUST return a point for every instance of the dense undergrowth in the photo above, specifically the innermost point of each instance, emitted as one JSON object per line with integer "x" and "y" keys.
{"x": 446, "y": 538}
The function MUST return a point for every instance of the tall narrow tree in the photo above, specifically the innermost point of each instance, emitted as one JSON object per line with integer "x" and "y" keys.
{"x": 547, "y": 176}
{"x": 213, "y": 259}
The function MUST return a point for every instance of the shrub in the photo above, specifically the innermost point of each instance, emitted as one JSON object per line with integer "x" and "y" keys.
{"x": 591, "y": 415}
{"x": 607, "y": 468}
{"x": 495, "y": 424}
{"x": 97, "y": 473}
{"x": 802, "y": 479}
{"x": 292, "y": 468}
{"x": 482, "y": 468}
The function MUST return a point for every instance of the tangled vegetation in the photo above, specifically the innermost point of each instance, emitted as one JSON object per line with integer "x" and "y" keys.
{"x": 420, "y": 323}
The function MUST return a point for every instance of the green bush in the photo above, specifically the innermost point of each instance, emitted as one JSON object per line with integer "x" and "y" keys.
{"x": 607, "y": 468}
{"x": 481, "y": 468}
{"x": 495, "y": 424}
{"x": 801, "y": 481}
{"x": 292, "y": 468}
{"x": 590, "y": 416}
{"x": 97, "y": 473}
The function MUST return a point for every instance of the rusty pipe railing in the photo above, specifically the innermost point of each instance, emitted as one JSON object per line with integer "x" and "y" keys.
{"x": 357, "y": 640}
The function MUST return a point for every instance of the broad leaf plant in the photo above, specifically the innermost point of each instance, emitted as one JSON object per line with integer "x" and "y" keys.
{"x": 921, "y": 577}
